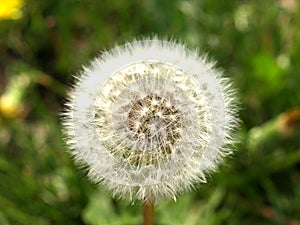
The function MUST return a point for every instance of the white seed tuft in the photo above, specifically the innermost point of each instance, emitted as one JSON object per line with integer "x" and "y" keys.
{"x": 150, "y": 119}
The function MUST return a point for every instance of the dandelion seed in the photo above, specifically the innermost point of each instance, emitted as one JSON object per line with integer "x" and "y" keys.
{"x": 150, "y": 119}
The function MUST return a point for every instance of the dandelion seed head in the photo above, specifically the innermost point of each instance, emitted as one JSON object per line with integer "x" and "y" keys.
{"x": 150, "y": 119}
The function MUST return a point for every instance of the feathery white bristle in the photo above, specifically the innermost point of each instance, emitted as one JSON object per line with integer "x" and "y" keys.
{"x": 150, "y": 119}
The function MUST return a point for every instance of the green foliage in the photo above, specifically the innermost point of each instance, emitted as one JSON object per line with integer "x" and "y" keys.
{"x": 256, "y": 42}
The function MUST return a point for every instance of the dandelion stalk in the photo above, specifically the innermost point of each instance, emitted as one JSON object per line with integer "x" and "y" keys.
{"x": 148, "y": 213}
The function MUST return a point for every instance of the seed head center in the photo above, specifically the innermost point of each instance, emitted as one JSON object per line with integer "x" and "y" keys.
{"x": 155, "y": 123}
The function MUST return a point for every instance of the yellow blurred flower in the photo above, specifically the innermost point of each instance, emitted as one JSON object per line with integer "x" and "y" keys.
{"x": 9, "y": 107}
{"x": 11, "y": 9}
{"x": 11, "y": 101}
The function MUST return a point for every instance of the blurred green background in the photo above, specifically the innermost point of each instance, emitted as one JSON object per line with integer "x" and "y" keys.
{"x": 42, "y": 43}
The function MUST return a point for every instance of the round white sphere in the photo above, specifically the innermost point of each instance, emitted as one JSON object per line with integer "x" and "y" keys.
{"x": 150, "y": 119}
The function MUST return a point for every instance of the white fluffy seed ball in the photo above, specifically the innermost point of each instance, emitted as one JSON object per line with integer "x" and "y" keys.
{"x": 150, "y": 119}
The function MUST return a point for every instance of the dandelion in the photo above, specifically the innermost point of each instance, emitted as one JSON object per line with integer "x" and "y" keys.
{"x": 150, "y": 119}
{"x": 11, "y": 9}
